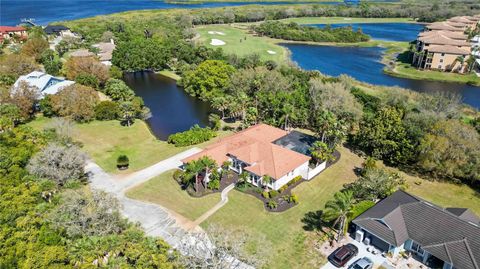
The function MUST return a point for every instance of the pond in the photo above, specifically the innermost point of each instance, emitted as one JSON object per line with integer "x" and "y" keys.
{"x": 45, "y": 11}
{"x": 363, "y": 64}
{"x": 172, "y": 110}
{"x": 384, "y": 31}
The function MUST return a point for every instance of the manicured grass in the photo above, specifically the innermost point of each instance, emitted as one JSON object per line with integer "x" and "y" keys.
{"x": 104, "y": 141}
{"x": 170, "y": 74}
{"x": 444, "y": 194}
{"x": 337, "y": 20}
{"x": 239, "y": 42}
{"x": 163, "y": 190}
{"x": 408, "y": 71}
{"x": 292, "y": 245}
{"x": 284, "y": 230}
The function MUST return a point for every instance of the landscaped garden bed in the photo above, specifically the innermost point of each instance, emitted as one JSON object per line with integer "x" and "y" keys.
{"x": 227, "y": 179}
{"x": 284, "y": 198}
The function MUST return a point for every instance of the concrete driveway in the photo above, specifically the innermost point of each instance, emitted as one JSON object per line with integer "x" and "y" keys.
{"x": 156, "y": 220}
{"x": 377, "y": 259}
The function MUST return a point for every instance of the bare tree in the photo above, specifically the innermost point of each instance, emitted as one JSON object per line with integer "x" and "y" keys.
{"x": 64, "y": 129}
{"x": 58, "y": 163}
{"x": 88, "y": 213}
{"x": 225, "y": 248}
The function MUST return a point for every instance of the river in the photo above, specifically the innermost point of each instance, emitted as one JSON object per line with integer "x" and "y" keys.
{"x": 364, "y": 64}
{"x": 45, "y": 11}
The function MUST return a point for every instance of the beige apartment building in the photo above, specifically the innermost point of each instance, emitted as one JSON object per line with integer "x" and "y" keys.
{"x": 444, "y": 45}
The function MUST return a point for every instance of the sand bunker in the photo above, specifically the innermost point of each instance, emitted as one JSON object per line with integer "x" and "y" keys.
{"x": 271, "y": 52}
{"x": 215, "y": 33}
{"x": 217, "y": 42}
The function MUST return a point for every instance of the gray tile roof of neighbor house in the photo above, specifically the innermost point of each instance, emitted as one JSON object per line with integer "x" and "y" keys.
{"x": 451, "y": 234}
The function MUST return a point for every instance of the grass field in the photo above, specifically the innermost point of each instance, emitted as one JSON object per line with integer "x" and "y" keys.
{"x": 292, "y": 244}
{"x": 406, "y": 70}
{"x": 165, "y": 191}
{"x": 239, "y": 42}
{"x": 337, "y": 20}
{"x": 104, "y": 141}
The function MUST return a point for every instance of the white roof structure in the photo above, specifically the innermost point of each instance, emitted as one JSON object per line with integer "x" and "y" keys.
{"x": 45, "y": 83}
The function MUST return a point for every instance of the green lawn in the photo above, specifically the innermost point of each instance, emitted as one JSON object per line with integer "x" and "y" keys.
{"x": 165, "y": 191}
{"x": 408, "y": 71}
{"x": 239, "y": 42}
{"x": 292, "y": 245}
{"x": 336, "y": 20}
{"x": 104, "y": 141}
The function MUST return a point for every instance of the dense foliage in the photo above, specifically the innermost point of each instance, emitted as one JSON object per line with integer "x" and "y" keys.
{"x": 45, "y": 225}
{"x": 296, "y": 32}
{"x": 195, "y": 135}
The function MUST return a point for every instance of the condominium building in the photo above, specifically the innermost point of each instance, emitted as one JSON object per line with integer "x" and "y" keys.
{"x": 445, "y": 46}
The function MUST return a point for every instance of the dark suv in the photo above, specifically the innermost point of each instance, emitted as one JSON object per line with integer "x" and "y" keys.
{"x": 343, "y": 254}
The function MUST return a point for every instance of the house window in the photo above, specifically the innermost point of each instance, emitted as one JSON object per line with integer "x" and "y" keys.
{"x": 439, "y": 66}
{"x": 441, "y": 60}
{"x": 443, "y": 54}
{"x": 417, "y": 248}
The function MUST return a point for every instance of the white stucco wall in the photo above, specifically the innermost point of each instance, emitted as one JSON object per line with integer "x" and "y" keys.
{"x": 313, "y": 172}
{"x": 299, "y": 171}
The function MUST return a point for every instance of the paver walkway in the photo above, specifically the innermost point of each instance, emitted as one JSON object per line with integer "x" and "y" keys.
{"x": 211, "y": 211}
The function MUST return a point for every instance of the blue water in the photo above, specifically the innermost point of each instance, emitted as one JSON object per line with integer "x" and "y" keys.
{"x": 45, "y": 11}
{"x": 172, "y": 110}
{"x": 364, "y": 64}
{"x": 384, "y": 31}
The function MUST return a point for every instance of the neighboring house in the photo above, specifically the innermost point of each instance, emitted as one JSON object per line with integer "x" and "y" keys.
{"x": 9, "y": 32}
{"x": 82, "y": 53}
{"x": 444, "y": 46}
{"x": 59, "y": 30}
{"x": 105, "y": 51}
{"x": 45, "y": 83}
{"x": 263, "y": 150}
{"x": 439, "y": 237}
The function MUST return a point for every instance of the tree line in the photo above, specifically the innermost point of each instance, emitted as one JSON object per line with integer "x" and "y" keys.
{"x": 296, "y": 32}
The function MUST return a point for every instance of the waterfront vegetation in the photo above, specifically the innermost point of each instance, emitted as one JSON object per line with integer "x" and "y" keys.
{"x": 296, "y": 32}
{"x": 391, "y": 126}
{"x": 346, "y": 20}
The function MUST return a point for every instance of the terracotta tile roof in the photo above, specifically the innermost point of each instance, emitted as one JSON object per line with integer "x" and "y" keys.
{"x": 254, "y": 146}
{"x": 443, "y": 26}
{"x": 7, "y": 29}
{"x": 448, "y": 49}
{"x": 462, "y": 19}
{"x": 448, "y": 34}
{"x": 440, "y": 39}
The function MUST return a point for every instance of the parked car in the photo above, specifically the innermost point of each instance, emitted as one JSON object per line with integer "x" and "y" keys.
{"x": 363, "y": 263}
{"x": 343, "y": 254}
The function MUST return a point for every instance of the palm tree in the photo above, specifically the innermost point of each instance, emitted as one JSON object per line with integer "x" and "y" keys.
{"x": 193, "y": 168}
{"x": 339, "y": 210}
{"x": 287, "y": 110}
{"x": 266, "y": 179}
{"x": 242, "y": 178}
{"x": 208, "y": 164}
{"x": 461, "y": 60}
{"x": 225, "y": 166}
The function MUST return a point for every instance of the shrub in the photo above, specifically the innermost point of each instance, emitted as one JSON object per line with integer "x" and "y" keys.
{"x": 293, "y": 199}
{"x": 75, "y": 101}
{"x": 87, "y": 80}
{"x": 214, "y": 184}
{"x": 107, "y": 110}
{"x": 178, "y": 176}
{"x": 273, "y": 193}
{"x": 283, "y": 188}
{"x": 123, "y": 162}
{"x": 272, "y": 204}
{"x": 265, "y": 194}
{"x": 118, "y": 90}
{"x": 194, "y": 136}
